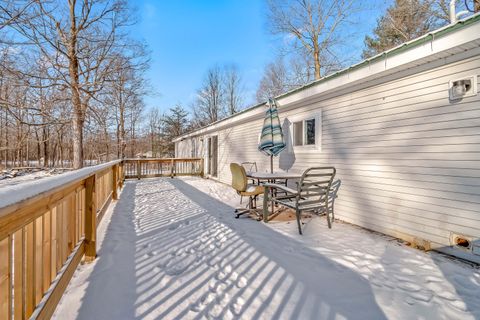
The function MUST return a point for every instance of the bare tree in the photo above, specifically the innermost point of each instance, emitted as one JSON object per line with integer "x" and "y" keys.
{"x": 316, "y": 27}
{"x": 76, "y": 38}
{"x": 233, "y": 89}
{"x": 125, "y": 86}
{"x": 403, "y": 21}
{"x": 409, "y": 19}
{"x": 14, "y": 10}
{"x": 155, "y": 131}
{"x": 209, "y": 106}
{"x": 274, "y": 81}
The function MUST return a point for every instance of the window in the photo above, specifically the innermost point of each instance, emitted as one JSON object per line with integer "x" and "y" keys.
{"x": 306, "y": 132}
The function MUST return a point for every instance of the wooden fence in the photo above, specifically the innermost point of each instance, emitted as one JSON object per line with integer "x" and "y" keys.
{"x": 167, "y": 167}
{"x": 43, "y": 238}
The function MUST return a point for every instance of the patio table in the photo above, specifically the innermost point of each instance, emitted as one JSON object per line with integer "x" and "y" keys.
{"x": 271, "y": 177}
{"x": 265, "y": 176}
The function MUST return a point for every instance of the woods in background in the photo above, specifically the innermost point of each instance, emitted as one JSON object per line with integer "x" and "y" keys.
{"x": 220, "y": 95}
{"x": 317, "y": 31}
{"x": 73, "y": 82}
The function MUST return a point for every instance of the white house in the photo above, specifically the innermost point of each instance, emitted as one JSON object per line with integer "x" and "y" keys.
{"x": 402, "y": 129}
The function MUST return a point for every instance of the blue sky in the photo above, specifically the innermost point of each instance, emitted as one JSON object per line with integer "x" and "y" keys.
{"x": 186, "y": 37}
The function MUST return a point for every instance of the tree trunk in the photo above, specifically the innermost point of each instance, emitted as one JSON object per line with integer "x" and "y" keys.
{"x": 123, "y": 143}
{"x": 476, "y": 4}
{"x": 6, "y": 139}
{"x": 45, "y": 139}
{"x": 39, "y": 148}
{"x": 107, "y": 143}
{"x": 316, "y": 56}
{"x": 78, "y": 112}
{"x": 60, "y": 146}
{"x": 77, "y": 134}
{"x": 118, "y": 142}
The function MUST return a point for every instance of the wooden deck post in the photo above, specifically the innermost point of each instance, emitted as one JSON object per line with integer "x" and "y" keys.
{"x": 202, "y": 164}
{"x": 122, "y": 173}
{"x": 114, "y": 182}
{"x": 6, "y": 277}
{"x": 172, "y": 168}
{"x": 265, "y": 204}
{"x": 120, "y": 169}
{"x": 139, "y": 169}
{"x": 90, "y": 220}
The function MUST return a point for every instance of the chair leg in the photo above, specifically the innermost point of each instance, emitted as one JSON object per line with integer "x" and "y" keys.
{"x": 239, "y": 213}
{"x": 333, "y": 210}
{"x": 298, "y": 221}
{"x": 328, "y": 216}
{"x": 251, "y": 207}
{"x": 248, "y": 209}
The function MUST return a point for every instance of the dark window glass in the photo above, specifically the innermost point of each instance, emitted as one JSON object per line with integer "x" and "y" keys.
{"x": 298, "y": 133}
{"x": 310, "y": 131}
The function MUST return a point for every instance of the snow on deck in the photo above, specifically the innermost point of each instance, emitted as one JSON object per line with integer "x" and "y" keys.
{"x": 171, "y": 249}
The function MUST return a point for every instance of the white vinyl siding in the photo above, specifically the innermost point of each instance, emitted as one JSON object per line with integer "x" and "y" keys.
{"x": 408, "y": 157}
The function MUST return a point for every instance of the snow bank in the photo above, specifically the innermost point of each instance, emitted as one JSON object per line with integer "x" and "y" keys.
{"x": 11, "y": 194}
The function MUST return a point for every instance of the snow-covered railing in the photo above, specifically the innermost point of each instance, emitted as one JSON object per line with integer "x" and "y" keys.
{"x": 46, "y": 227}
{"x": 165, "y": 167}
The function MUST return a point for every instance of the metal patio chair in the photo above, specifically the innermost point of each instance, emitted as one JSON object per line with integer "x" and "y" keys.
{"x": 314, "y": 193}
{"x": 250, "y": 166}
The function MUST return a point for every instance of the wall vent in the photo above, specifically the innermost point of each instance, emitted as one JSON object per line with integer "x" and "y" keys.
{"x": 462, "y": 88}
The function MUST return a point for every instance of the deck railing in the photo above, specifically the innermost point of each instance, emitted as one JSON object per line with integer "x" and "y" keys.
{"x": 48, "y": 228}
{"x": 166, "y": 167}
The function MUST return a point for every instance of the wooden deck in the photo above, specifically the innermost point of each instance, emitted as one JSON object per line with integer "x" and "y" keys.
{"x": 173, "y": 252}
{"x": 53, "y": 226}
{"x": 170, "y": 249}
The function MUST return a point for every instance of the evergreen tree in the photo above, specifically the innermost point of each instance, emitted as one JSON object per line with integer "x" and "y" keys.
{"x": 404, "y": 20}
{"x": 175, "y": 124}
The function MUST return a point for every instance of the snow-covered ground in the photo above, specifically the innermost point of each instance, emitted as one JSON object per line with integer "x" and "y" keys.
{"x": 171, "y": 249}
{"x": 7, "y": 179}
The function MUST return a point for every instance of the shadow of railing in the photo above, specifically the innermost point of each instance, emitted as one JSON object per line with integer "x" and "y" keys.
{"x": 288, "y": 286}
{"x": 171, "y": 251}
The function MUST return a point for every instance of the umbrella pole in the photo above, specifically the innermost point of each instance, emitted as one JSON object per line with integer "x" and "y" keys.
{"x": 271, "y": 164}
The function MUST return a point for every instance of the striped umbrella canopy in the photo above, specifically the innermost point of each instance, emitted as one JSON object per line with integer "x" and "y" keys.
{"x": 271, "y": 140}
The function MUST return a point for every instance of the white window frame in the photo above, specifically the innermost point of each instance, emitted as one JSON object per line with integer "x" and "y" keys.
{"x": 311, "y": 148}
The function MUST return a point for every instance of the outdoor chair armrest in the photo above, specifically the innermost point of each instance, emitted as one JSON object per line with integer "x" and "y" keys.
{"x": 281, "y": 187}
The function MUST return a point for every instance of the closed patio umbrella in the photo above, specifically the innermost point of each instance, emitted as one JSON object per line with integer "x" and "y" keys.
{"x": 271, "y": 140}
